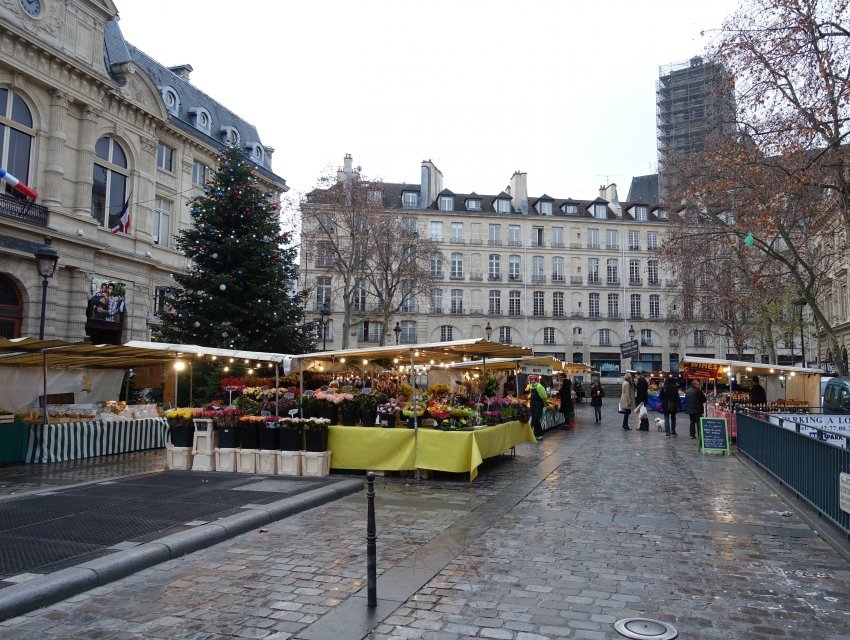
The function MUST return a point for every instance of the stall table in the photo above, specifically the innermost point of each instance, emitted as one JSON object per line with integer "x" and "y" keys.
{"x": 91, "y": 438}
{"x": 401, "y": 449}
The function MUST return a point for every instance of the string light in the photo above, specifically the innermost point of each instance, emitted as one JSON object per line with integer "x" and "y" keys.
{"x": 226, "y": 369}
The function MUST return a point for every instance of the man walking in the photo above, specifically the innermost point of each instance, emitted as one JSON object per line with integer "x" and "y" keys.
{"x": 536, "y": 400}
{"x": 695, "y": 406}
{"x": 641, "y": 388}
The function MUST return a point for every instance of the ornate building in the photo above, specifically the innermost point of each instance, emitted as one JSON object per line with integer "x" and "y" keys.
{"x": 115, "y": 144}
{"x": 569, "y": 278}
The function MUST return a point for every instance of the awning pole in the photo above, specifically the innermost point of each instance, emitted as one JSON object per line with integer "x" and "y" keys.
{"x": 415, "y": 408}
{"x": 301, "y": 386}
{"x": 276, "y": 389}
{"x": 45, "y": 421}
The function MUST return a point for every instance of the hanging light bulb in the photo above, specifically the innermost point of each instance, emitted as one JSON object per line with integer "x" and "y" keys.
{"x": 232, "y": 361}
{"x": 250, "y": 372}
{"x": 226, "y": 369}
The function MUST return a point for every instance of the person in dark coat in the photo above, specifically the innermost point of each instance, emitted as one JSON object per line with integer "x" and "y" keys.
{"x": 565, "y": 395}
{"x": 641, "y": 388}
{"x": 670, "y": 403}
{"x": 596, "y": 395}
{"x": 695, "y": 406}
{"x": 757, "y": 393}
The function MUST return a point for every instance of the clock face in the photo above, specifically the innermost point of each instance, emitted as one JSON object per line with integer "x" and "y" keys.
{"x": 32, "y": 7}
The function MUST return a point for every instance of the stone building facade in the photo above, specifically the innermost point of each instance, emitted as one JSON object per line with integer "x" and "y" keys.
{"x": 101, "y": 131}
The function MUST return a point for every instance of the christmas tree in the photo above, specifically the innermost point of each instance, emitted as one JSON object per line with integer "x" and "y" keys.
{"x": 238, "y": 292}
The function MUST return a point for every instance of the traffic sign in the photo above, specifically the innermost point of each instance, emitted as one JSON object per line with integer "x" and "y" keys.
{"x": 630, "y": 349}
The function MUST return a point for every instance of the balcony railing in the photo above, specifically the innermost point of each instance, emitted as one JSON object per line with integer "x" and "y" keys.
{"x": 455, "y": 276}
{"x": 592, "y": 279}
{"x": 592, "y": 245}
{"x": 514, "y": 243}
{"x": 493, "y": 241}
{"x": 435, "y": 310}
{"x": 635, "y": 282}
{"x": 515, "y": 277}
{"x": 653, "y": 282}
{"x": 494, "y": 277}
{"x": 557, "y": 277}
{"x": 634, "y": 247}
{"x": 23, "y": 211}
{"x": 557, "y": 245}
{"x": 612, "y": 247}
{"x": 538, "y": 277}
{"x": 612, "y": 281}
{"x": 457, "y": 241}
{"x": 456, "y": 310}
{"x": 515, "y": 312}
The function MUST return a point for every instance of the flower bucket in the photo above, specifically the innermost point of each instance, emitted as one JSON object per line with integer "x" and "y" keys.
{"x": 291, "y": 438}
{"x": 316, "y": 440}
{"x": 387, "y": 420}
{"x": 349, "y": 417}
{"x": 268, "y": 437}
{"x": 368, "y": 417}
{"x": 248, "y": 435}
{"x": 227, "y": 438}
{"x": 181, "y": 435}
{"x": 329, "y": 411}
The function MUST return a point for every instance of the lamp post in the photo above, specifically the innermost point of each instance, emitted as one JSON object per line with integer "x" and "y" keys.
{"x": 728, "y": 338}
{"x": 631, "y": 332}
{"x": 800, "y": 302}
{"x": 46, "y": 258}
{"x": 325, "y": 312}
{"x": 397, "y": 331}
{"x": 488, "y": 331}
{"x": 179, "y": 366}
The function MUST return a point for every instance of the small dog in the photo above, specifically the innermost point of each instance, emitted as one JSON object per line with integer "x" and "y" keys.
{"x": 659, "y": 424}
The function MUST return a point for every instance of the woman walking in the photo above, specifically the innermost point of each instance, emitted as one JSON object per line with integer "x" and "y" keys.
{"x": 670, "y": 403}
{"x": 596, "y": 395}
{"x": 627, "y": 400}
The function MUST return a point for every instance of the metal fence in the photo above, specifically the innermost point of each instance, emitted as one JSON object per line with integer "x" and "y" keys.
{"x": 809, "y": 466}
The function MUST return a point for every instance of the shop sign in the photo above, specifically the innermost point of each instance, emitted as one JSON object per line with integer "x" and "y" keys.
{"x": 701, "y": 371}
{"x": 630, "y": 349}
{"x": 539, "y": 369}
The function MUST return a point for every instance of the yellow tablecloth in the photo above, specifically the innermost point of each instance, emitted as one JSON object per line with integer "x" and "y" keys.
{"x": 403, "y": 449}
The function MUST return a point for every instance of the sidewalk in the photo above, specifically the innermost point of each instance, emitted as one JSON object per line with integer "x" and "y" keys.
{"x": 589, "y": 527}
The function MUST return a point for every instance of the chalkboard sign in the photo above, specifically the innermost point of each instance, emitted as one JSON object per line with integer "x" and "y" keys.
{"x": 713, "y": 435}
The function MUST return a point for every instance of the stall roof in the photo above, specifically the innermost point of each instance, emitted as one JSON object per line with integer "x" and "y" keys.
{"x": 186, "y": 349}
{"x": 509, "y": 363}
{"x": 439, "y": 352}
{"x": 756, "y": 367}
{"x": 30, "y": 352}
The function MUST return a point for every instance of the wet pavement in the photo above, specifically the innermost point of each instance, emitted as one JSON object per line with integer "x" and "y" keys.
{"x": 562, "y": 540}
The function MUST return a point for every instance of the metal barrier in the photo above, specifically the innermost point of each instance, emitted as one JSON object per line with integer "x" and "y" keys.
{"x": 807, "y": 465}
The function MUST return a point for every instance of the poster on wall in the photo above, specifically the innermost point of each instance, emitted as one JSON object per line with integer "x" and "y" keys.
{"x": 107, "y": 300}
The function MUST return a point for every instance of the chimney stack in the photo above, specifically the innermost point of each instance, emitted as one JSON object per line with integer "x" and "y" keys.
{"x": 182, "y": 71}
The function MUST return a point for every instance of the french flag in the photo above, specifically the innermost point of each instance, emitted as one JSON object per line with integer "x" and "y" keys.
{"x": 123, "y": 224}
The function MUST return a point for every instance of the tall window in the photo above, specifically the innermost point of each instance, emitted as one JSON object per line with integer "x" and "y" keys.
{"x": 613, "y": 270}
{"x": 604, "y": 337}
{"x": 437, "y": 265}
{"x": 410, "y": 200}
{"x": 457, "y": 301}
{"x": 699, "y": 337}
{"x": 408, "y": 332}
{"x": 546, "y": 208}
{"x": 446, "y": 333}
{"x": 324, "y": 253}
{"x": 109, "y": 182}
{"x": 592, "y": 270}
{"x": 593, "y": 305}
{"x": 514, "y": 268}
{"x": 537, "y": 236}
{"x": 646, "y": 337}
{"x": 539, "y": 304}
{"x": 199, "y": 173}
{"x": 447, "y": 203}
{"x": 494, "y": 234}
{"x": 634, "y": 306}
{"x": 600, "y": 211}
{"x": 514, "y": 238}
{"x": 11, "y": 308}
{"x": 549, "y": 335}
{"x": 436, "y": 231}
{"x": 408, "y": 300}
{"x": 641, "y": 213}
{"x": 505, "y": 335}
{"x": 537, "y": 269}
{"x": 654, "y": 306}
{"x": 495, "y": 299}
{"x": 360, "y": 296}
{"x": 612, "y": 239}
{"x": 457, "y": 232}
{"x": 634, "y": 240}
{"x": 323, "y": 292}
{"x": 494, "y": 266}
{"x": 613, "y": 305}
{"x": 652, "y": 271}
{"x": 437, "y": 301}
{"x": 652, "y": 240}
{"x": 557, "y": 269}
{"x": 634, "y": 271}
{"x": 593, "y": 238}
{"x": 16, "y": 137}
{"x": 457, "y": 265}
{"x": 162, "y": 221}
{"x": 558, "y": 304}
{"x": 557, "y": 236}
{"x": 408, "y": 225}
{"x": 514, "y": 303}
{"x": 165, "y": 157}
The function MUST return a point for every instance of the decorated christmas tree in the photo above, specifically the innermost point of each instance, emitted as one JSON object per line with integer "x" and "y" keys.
{"x": 239, "y": 290}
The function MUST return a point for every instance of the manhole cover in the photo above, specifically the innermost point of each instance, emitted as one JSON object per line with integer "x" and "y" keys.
{"x": 645, "y": 629}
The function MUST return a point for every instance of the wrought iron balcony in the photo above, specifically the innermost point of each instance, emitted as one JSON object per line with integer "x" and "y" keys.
{"x": 23, "y": 211}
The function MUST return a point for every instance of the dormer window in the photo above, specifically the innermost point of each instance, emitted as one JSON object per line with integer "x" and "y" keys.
{"x": 545, "y": 208}
{"x": 410, "y": 200}
{"x": 201, "y": 119}
{"x": 473, "y": 204}
{"x": 375, "y": 197}
{"x": 571, "y": 209}
{"x": 600, "y": 211}
{"x": 256, "y": 152}
{"x": 662, "y": 214}
{"x": 641, "y": 212}
{"x": 503, "y": 205}
{"x": 171, "y": 100}
{"x": 447, "y": 203}
{"x": 230, "y": 136}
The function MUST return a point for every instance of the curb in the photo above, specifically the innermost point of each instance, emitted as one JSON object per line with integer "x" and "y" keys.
{"x": 44, "y": 590}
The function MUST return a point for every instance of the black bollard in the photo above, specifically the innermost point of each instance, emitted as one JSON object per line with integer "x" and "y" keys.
{"x": 371, "y": 558}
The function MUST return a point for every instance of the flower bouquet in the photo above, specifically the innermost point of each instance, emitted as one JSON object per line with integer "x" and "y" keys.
{"x": 413, "y": 413}
{"x": 181, "y": 428}
{"x": 388, "y": 412}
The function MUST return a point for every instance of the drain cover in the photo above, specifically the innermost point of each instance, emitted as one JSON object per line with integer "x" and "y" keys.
{"x": 645, "y": 629}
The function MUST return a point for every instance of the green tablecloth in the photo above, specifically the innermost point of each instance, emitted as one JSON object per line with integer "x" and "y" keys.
{"x": 13, "y": 441}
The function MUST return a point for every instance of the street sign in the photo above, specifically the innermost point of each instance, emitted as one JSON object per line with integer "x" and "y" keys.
{"x": 630, "y": 349}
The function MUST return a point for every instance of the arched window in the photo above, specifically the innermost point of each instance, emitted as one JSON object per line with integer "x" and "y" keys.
{"x": 109, "y": 185}
{"x": 16, "y": 137}
{"x": 11, "y": 309}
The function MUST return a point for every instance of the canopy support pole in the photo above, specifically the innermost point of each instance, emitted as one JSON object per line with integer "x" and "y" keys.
{"x": 415, "y": 407}
{"x": 45, "y": 420}
{"x": 277, "y": 388}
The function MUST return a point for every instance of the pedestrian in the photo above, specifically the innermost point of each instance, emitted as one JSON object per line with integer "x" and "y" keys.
{"x": 537, "y": 400}
{"x": 596, "y": 395}
{"x": 641, "y": 388}
{"x": 757, "y": 393}
{"x": 565, "y": 394}
{"x": 670, "y": 405}
{"x": 694, "y": 404}
{"x": 643, "y": 417}
{"x": 627, "y": 400}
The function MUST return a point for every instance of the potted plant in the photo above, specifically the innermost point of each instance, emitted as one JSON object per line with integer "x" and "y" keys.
{"x": 367, "y": 405}
{"x": 388, "y": 412}
{"x": 413, "y": 413}
{"x": 291, "y": 434}
{"x": 316, "y": 434}
{"x": 248, "y": 431}
{"x": 225, "y": 423}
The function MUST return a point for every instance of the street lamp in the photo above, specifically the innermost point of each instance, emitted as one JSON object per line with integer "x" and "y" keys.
{"x": 801, "y": 302}
{"x": 488, "y": 331}
{"x": 397, "y": 331}
{"x": 179, "y": 366}
{"x": 325, "y": 312}
{"x": 631, "y": 332}
{"x": 728, "y": 338}
{"x": 46, "y": 258}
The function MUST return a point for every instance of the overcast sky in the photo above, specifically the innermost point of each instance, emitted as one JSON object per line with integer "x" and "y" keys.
{"x": 562, "y": 90}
